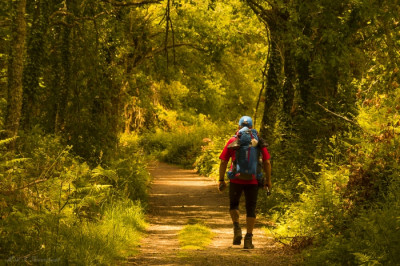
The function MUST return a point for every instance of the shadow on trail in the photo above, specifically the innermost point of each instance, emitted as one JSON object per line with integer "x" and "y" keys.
{"x": 179, "y": 197}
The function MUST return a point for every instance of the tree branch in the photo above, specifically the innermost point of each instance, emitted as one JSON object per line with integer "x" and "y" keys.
{"x": 5, "y": 23}
{"x": 132, "y": 3}
{"x": 152, "y": 53}
{"x": 194, "y": 46}
{"x": 259, "y": 11}
{"x": 30, "y": 184}
{"x": 337, "y": 115}
{"x": 9, "y": 192}
{"x": 65, "y": 14}
{"x": 168, "y": 27}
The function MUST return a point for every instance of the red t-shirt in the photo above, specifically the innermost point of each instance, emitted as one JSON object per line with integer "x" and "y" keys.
{"x": 230, "y": 153}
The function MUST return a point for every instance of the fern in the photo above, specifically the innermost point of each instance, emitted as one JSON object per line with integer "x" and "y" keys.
{"x": 4, "y": 142}
{"x": 15, "y": 161}
{"x": 109, "y": 174}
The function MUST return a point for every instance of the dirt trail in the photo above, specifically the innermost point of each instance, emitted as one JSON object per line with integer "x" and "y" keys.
{"x": 180, "y": 196}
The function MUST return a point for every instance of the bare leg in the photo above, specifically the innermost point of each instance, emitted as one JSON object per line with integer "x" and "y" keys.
{"x": 234, "y": 215}
{"x": 250, "y": 222}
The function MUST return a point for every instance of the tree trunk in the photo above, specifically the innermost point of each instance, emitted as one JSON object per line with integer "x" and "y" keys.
{"x": 271, "y": 109}
{"x": 65, "y": 82}
{"x": 288, "y": 86}
{"x": 15, "y": 70}
{"x": 33, "y": 67}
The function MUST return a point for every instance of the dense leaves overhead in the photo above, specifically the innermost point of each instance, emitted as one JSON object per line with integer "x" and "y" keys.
{"x": 95, "y": 68}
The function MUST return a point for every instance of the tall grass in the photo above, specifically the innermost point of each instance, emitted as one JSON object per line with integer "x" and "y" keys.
{"x": 115, "y": 237}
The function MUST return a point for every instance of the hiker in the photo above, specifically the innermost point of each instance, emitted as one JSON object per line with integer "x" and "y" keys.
{"x": 244, "y": 177}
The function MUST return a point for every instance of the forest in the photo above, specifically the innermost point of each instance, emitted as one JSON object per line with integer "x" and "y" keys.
{"x": 92, "y": 91}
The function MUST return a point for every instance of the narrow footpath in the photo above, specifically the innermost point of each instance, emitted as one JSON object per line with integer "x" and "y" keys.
{"x": 179, "y": 197}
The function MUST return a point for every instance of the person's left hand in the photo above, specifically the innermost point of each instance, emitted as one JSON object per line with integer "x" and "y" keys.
{"x": 267, "y": 186}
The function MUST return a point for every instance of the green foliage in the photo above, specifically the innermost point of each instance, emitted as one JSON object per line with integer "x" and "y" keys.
{"x": 130, "y": 166}
{"x": 207, "y": 163}
{"x": 317, "y": 213}
{"x": 372, "y": 238}
{"x": 114, "y": 237}
{"x": 217, "y": 60}
{"x": 56, "y": 208}
{"x": 175, "y": 147}
{"x": 65, "y": 240}
{"x": 181, "y": 144}
{"x": 331, "y": 119}
{"x": 351, "y": 214}
{"x": 95, "y": 69}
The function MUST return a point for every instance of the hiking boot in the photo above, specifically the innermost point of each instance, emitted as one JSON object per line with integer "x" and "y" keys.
{"x": 248, "y": 242}
{"x": 237, "y": 236}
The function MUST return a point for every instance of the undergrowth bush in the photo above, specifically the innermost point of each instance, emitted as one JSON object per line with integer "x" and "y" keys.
{"x": 55, "y": 208}
{"x": 130, "y": 164}
{"x": 181, "y": 144}
{"x": 178, "y": 147}
{"x": 207, "y": 163}
{"x": 318, "y": 212}
{"x": 371, "y": 238}
{"x": 115, "y": 237}
{"x": 351, "y": 214}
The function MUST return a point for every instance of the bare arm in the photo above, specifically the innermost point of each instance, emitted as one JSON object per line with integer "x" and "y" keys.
{"x": 267, "y": 170}
{"x": 222, "y": 169}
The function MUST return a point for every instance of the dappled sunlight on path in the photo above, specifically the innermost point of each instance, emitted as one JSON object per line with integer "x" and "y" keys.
{"x": 179, "y": 197}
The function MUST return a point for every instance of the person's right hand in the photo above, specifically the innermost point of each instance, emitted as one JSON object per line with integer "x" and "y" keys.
{"x": 221, "y": 185}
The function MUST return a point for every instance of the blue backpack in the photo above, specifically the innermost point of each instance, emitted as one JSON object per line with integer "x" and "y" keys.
{"x": 246, "y": 164}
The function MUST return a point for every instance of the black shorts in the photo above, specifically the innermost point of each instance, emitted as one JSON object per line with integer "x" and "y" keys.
{"x": 250, "y": 194}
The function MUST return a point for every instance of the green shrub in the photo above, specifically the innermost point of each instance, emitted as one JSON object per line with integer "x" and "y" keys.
{"x": 177, "y": 147}
{"x": 130, "y": 165}
{"x": 65, "y": 240}
{"x": 352, "y": 213}
{"x": 56, "y": 209}
{"x": 373, "y": 238}
{"x": 207, "y": 163}
{"x": 182, "y": 144}
{"x": 318, "y": 212}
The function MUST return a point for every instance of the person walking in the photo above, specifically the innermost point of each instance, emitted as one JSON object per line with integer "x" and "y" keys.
{"x": 241, "y": 181}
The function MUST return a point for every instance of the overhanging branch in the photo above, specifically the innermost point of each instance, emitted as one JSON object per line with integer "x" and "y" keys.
{"x": 152, "y": 53}
{"x": 260, "y": 11}
{"x": 338, "y": 115}
{"x": 132, "y": 3}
